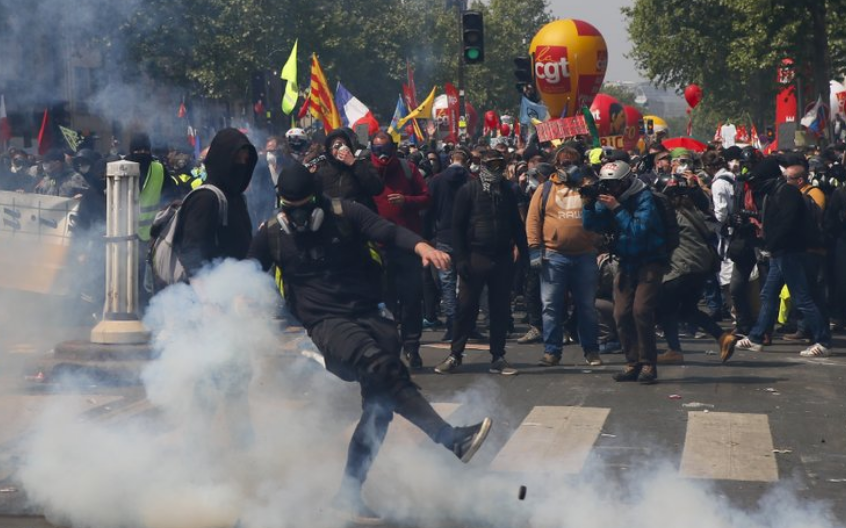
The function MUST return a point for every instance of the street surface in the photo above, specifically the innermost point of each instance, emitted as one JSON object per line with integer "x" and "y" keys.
{"x": 761, "y": 422}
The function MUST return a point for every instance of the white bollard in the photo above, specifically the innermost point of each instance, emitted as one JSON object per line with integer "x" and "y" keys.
{"x": 120, "y": 324}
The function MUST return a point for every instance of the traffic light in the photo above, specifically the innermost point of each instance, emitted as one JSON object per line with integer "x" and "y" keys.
{"x": 473, "y": 37}
{"x": 523, "y": 72}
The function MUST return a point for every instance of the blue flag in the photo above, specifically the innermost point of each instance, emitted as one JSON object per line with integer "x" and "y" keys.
{"x": 529, "y": 110}
{"x": 399, "y": 113}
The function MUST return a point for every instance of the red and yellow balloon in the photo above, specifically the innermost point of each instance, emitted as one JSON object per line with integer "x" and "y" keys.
{"x": 570, "y": 58}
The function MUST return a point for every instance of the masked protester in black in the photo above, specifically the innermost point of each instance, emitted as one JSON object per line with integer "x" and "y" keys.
{"x": 332, "y": 286}
{"x": 229, "y": 165}
{"x": 345, "y": 176}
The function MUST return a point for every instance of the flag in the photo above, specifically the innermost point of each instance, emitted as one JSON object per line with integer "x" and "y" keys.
{"x": 289, "y": 73}
{"x": 354, "y": 112}
{"x": 718, "y": 135}
{"x": 412, "y": 88}
{"x": 72, "y": 138}
{"x": 814, "y": 120}
{"x": 452, "y": 112}
{"x": 742, "y": 135}
{"x": 399, "y": 113}
{"x": 320, "y": 102}
{"x": 591, "y": 124}
{"x": 182, "y": 112}
{"x": 45, "y": 135}
{"x": 530, "y": 109}
{"x": 304, "y": 108}
{"x": 5, "y": 129}
{"x": 756, "y": 141}
{"x": 192, "y": 136}
{"x": 424, "y": 110}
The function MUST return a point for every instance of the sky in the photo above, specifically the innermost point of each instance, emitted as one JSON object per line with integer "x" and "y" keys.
{"x": 606, "y": 17}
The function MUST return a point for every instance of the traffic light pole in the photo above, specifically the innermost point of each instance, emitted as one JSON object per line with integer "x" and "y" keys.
{"x": 460, "y": 6}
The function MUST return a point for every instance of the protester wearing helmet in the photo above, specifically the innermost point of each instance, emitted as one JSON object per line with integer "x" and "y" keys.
{"x": 298, "y": 144}
{"x": 623, "y": 205}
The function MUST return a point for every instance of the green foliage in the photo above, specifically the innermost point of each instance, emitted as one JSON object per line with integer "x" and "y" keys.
{"x": 731, "y": 49}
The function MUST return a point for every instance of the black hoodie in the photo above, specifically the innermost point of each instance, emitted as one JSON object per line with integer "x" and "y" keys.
{"x": 202, "y": 239}
{"x": 358, "y": 183}
{"x": 443, "y": 188}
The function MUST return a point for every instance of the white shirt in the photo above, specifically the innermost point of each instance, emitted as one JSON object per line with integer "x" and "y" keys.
{"x": 722, "y": 193}
{"x": 728, "y": 133}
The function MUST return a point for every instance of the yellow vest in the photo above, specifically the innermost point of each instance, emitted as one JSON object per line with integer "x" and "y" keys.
{"x": 151, "y": 196}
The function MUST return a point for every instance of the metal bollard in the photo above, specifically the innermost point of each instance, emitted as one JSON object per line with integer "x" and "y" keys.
{"x": 120, "y": 324}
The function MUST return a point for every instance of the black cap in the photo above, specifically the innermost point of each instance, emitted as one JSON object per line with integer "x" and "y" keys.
{"x": 296, "y": 183}
{"x": 768, "y": 169}
{"x": 732, "y": 153}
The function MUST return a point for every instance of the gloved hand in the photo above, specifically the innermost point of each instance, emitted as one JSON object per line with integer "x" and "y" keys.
{"x": 462, "y": 267}
{"x": 535, "y": 258}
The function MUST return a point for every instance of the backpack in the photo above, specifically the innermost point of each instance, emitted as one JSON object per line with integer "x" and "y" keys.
{"x": 813, "y": 221}
{"x": 163, "y": 259}
{"x": 668, "y": 218}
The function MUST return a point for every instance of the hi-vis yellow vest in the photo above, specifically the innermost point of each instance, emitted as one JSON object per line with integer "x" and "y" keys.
{"x": 151, "y": 196}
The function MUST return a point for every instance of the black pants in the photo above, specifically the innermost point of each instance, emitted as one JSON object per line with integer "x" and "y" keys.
{"x": 431, "y": 294}
{"x": 366, "y": 349}
{"x": 740, "y": 299}
{"x": 679, "y": 300}
{"x": 403, "y": 295}
{"x": 840, "y": 281}
{"x": 496, "y": 274}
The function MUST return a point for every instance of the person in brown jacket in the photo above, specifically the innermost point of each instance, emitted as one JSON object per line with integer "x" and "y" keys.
{"x": 565, "y": 253}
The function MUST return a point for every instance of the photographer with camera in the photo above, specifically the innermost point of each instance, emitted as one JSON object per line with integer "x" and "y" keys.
{"x": 622, "y": 204}
{"x": 345, "y": 176}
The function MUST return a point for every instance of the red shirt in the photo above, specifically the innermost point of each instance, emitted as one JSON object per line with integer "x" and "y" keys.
{"x": 414, "y": 189}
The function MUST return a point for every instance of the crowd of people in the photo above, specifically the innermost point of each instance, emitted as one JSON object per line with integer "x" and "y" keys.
{"x": 371, "y": 244}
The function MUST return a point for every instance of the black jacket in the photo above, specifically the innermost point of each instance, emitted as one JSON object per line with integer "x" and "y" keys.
{"x": 783, "y": 217}
{"x": 487, "y": 226}
{"x": 201, "y": 238}
{"x": 330, "y": 273}
{"x": 359, "y": 182}
{"x": 437, "y": 224}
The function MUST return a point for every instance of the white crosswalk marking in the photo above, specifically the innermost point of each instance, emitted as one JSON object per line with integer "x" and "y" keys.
{"x": 552, "y": 439}
{"x": 729, "y": 446}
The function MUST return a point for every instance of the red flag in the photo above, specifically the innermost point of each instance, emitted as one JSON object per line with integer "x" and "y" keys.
{"x": 320, "y": 102}
{"x": 742, "y": 134}
{"x": 718, "y": 135}
{"x": 45, "y": 135}
{"x": 408, "y": 97}
{"x": 182, "y": 110}
{"x": 5, "y": 129}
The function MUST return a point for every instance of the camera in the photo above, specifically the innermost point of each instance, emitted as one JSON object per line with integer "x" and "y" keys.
{"x": 593, "y": 190}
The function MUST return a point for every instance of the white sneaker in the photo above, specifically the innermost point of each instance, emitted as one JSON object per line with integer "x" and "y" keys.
{"x": 747, "y": 344}
{"x": 816, "y": 350}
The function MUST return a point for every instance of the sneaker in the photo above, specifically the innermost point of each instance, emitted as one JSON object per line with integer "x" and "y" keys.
{"x": 610, "y": 347}
{"x": 414, "y": 360}
{"x": 549, "y": 360}
{"x": 727, "y": 343}
{"x": 448, "y": 365}
{"x": 500, "y": 366}
{"x": 816, "y": 350}
{"x": 354, "y": 510}
{"x": 648, "y": 375}
{"x": 534, "y": 335}
{"x": 671, "y": 357}
{"x": 468, "y": 440}
{"x": 748, "y": 344}
{"x": 593, "y": 359}
{"x": 630, "y": 373}
{"x": 795, "y": 336}
{"x": 700, "y": 335}
{"x": 436, "y": 323}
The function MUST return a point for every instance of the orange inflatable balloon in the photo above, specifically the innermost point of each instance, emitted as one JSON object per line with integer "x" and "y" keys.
{"x": 609, "y": 116}
{"x": 634, "y": 127}
{"x": 570, "y": 58}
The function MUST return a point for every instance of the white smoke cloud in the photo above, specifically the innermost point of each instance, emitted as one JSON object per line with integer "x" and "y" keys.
{"x": 191, "y": 463}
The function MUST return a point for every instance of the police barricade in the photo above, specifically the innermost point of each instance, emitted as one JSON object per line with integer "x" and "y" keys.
{"x": 35, "y": 242}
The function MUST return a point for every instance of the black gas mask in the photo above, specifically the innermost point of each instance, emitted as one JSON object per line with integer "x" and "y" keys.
{"x": 300, "y": 219}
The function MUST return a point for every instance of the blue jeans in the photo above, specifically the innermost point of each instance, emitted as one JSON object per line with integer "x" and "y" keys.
{"x": 449, "y": 283}
{"x": 580, "y": 276}
{"x": 789, "y": 269}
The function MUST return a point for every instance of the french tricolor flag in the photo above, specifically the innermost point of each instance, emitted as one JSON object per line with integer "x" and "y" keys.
{"x": 354, "y": 112}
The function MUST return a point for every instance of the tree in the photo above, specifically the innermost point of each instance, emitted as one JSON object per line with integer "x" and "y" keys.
{"x": 733, "y": 48}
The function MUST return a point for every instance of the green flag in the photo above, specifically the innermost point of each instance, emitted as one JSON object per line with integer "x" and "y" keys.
{"x": 591, "y": 124}
{"x": 289, "y": 73}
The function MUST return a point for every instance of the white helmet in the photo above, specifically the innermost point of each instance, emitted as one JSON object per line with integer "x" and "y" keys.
{"x": 615, "y": 170}
{"x": 297, "y": 140}
{"x": 296, "y": 133}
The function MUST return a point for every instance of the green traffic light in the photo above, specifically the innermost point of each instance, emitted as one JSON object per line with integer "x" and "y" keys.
{"x": 472, "y": 53}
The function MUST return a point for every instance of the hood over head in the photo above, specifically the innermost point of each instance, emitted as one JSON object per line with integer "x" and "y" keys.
{"x": 221, "y": 168}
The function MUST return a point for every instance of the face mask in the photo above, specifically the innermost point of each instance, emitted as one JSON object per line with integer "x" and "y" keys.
{"x": 271, "y": 158}
{"x": 570, "y": 174}
{"x": 734, "y": 165}
{"x": 306, "y": 218}
{"x": 383, "y": 152}
{"x": 474, "y": 168}
{"x": 84, "y": 169}
{"x": 18, "y": 163}
{"x": 241, "y": 174}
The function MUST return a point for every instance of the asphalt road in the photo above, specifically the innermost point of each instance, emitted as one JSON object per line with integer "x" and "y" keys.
{"x": 762, "y": 422}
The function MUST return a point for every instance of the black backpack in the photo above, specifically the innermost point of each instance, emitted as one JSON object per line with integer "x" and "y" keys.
{"x": 668, "y": 218}
{"x": 814, "y": 218}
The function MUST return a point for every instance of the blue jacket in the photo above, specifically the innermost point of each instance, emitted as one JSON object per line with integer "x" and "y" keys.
{"x": 637, "y": 226}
